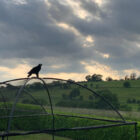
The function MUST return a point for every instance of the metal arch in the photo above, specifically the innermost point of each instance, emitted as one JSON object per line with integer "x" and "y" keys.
{"x": 17, "y": 97}
{"x": 13, "y": 107}
{"x": 47, "y": 90}
{"x": 73, "y": 83}
{"x": 55, "y": 130}
{"x": 95, "y": 93}
{"x": 13, "y": 80}
{"x": 35, "y": 101}
{"x": 4, "y": 100}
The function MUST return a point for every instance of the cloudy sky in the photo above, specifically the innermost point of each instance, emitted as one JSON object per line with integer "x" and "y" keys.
{"x": 71, "y": 38}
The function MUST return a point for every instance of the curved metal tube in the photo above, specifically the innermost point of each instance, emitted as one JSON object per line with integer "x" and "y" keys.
{"x": 47, "y": 90}
{"x": 35, "y": 101}
{"x": 78, "y": 85}
{"x": 104, "y": 99}
{"x": 13, "y": 107}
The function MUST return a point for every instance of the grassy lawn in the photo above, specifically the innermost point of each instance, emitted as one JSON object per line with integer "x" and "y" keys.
{"x": 57, "y": 92}
{"x": 37, "y": 137}
{"x": 98, "y": 113}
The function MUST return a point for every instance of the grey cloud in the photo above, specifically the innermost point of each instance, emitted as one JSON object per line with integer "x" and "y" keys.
{"x": 29, "y": 31}
{"x": 116, "y": 33}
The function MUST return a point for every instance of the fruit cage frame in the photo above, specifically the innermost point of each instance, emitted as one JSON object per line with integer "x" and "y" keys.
{"x": 7, "y": 114}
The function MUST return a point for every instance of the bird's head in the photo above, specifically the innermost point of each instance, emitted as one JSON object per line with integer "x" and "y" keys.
{"x": 40, "y": 65}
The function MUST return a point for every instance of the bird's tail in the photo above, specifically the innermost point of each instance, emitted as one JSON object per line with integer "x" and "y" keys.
{"x": 29, "y": 74}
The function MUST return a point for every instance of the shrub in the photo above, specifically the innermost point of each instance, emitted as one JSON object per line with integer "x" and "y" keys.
{"x": 74, "y": 93}
{"x": 127, "y": 84}
{"x": 125, "y": 107}
{"x": 90, "y": 97}
{"x": 110, "y": 97}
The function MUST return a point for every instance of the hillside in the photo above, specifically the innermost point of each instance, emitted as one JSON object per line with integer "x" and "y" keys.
{"x": 67, "y": 94}
{"x": 123, "y": 94}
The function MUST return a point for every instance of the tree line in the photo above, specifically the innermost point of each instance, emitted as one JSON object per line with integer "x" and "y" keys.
{"x": 99, "y": 77}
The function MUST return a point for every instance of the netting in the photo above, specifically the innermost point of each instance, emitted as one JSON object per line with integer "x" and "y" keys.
{"x": 55, "y": 107}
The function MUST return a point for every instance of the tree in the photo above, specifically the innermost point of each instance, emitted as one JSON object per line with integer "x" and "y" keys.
{"x": 126, "y": 77}
{"x": 91, "y": 85}
{"x": 97, "y": 77}
{"x": 109, "y": 79}
{"x": 70, "y": 81}
{"x": 126, "y": 84}
{"x": 133, "y": 76}
{"x": 138, "y": 78}
{"x": 109, "y": 96}
{"x": 88, "y": 78}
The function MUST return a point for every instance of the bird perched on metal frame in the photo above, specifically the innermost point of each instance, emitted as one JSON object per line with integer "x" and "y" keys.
{"x": 35, "y": 70}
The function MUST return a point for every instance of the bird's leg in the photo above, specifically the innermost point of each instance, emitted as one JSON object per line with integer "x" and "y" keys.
{"x": 29, "y": 75}
{"x": 37, "y": 75}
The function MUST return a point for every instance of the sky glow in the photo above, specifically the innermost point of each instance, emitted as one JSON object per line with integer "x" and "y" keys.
{"x": 70, "y": 38}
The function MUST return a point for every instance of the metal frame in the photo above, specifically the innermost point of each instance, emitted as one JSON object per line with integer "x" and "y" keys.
{"x": 122, "y": 122}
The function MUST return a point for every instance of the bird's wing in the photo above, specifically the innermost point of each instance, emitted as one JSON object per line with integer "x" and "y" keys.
{"x": 32, "y": 70}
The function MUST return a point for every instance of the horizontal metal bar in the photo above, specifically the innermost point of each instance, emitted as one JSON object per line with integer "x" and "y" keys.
{"x": 74, "y": 116}
{"x": 92, "y": 118}
{"x": 67, "y": 129}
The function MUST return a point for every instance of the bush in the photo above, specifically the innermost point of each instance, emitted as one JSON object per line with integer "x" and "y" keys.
{"x": 125, "y": 107}
{"x": 76, "y": 103}
{"x": 74, "y": 93}
{"x": 37, "y": 102}
{"x": 90, "y": 97}
{"x": 81, "y": 98}
{"x": 110, "y": 97}
{"x": 97, "y": 103}
{"x": 127, "y": 84}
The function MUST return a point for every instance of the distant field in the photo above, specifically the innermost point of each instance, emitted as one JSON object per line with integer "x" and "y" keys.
{"x": 122, "y": 93}
{"x": 128, "y": 115}
{"x": 116, "y": 87}
{"x": 57, "y": 93}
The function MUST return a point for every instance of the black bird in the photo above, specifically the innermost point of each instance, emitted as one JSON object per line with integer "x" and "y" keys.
{"x": 35, "y": 70}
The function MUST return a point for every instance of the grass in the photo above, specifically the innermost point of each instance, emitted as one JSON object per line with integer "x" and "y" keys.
{"x": 37, "y": 123}
{"x": 98, "y": 113}
{"x": 56, "y": 92}
{"x": 37, "y": 137}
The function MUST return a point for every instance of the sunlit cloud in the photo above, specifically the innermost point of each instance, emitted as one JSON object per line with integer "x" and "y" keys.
{"x": 19, "y": 2}
{"x": 106, "y": 55}
{"x": 58, "y": 66}
{"x": 89, "y": 39}
{"x": 66, "y": 76}
{"x": 80, "y": 12}
{"x": 48, "y": 3}
{"x": 130, "y": 71}
{"x": 17, "y": 72}
{"x": 99, "y": 2}
{"x": 68, "y": 27}
{"x": 95, "y": 67}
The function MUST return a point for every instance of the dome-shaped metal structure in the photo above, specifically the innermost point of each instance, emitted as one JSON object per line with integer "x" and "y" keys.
{"x": 47, "y": 105}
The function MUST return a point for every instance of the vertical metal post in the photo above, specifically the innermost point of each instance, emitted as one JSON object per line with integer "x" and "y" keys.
{"x": 2, "y": 137}
{"x": 135, "y": 127}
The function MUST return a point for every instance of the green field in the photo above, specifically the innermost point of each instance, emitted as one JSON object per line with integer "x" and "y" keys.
{"x": 37, "y": 137}
{"x": 33, "y": 123}
{"x": 60, "y": 93}
{"x": 122, "y": 93}
{"x": 116, "y": 87}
